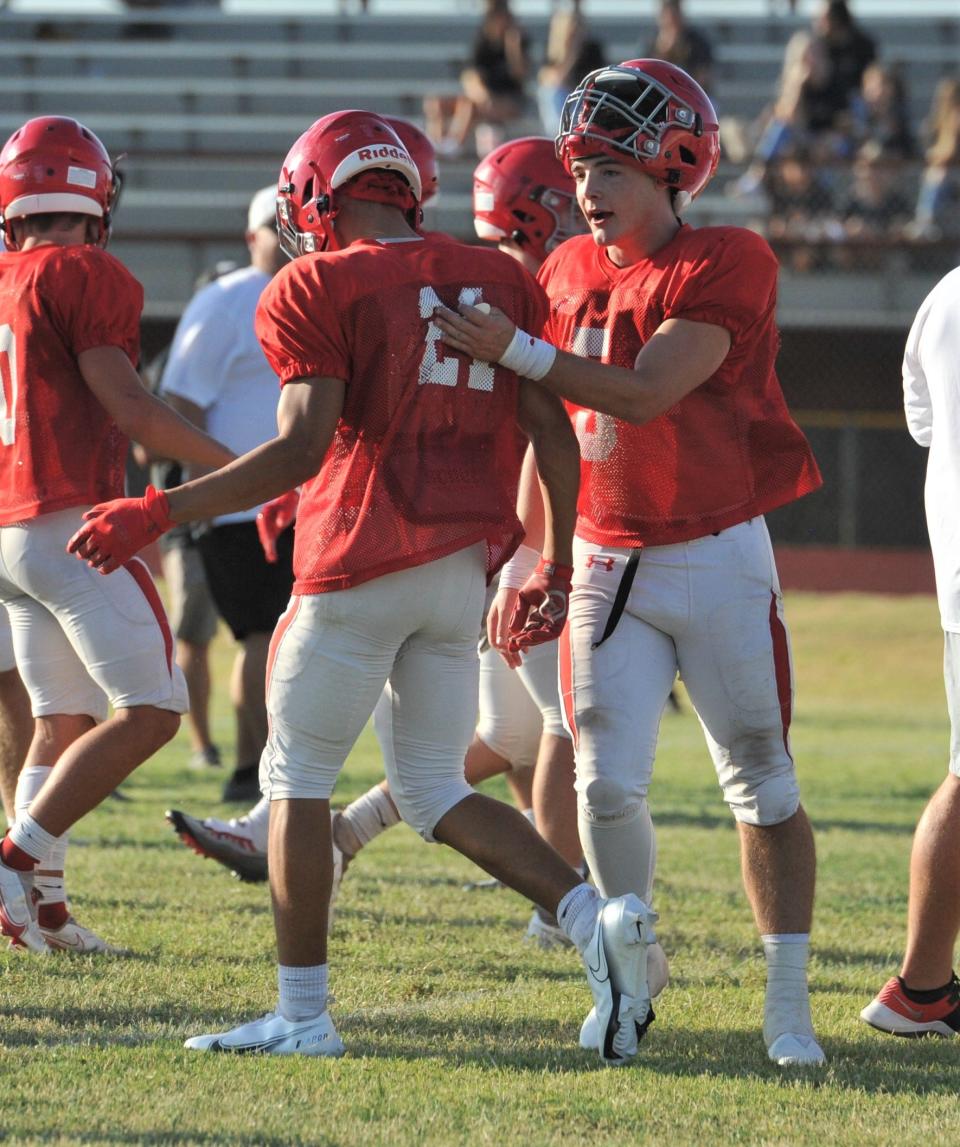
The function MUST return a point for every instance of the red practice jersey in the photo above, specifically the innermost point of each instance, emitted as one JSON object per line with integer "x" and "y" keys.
{"x": 425, "y": 459}
{"x": 60, "y": 447}
{"x": 729, "y": 450}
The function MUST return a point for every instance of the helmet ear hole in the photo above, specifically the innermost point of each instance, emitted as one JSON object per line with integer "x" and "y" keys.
{"x": 323, "y": 203}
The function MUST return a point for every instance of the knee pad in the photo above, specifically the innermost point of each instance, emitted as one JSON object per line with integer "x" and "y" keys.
{"x": 763, "y": 800}
{"x": 604, "y": 800}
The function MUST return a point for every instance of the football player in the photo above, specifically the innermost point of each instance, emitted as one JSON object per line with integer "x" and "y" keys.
{"x": 663, "y": 342}
{"x": 69, "y": 341}
{"x": 925, "y": 998}
{"x": 408, "y": 461}
{"x": 524, "y": 201}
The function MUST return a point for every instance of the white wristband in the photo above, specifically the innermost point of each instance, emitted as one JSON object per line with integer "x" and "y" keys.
{"x": 528, "y": 356}
{"x": 516, "y": 571}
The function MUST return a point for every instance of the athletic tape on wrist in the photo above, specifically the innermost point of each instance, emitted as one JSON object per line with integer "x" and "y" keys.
{"x": 527, "y": 356}
{"x": 519, "y": 568}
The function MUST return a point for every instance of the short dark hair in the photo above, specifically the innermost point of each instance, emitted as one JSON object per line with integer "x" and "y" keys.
{"x": 47, "y": 221}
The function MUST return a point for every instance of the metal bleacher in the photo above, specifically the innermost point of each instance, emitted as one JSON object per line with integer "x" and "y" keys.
{"x": 205, "y": 105}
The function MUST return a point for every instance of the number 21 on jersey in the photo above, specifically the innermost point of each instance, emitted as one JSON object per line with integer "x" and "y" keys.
{"x": 445, "y": 371}
{"x": 8, "y": 384}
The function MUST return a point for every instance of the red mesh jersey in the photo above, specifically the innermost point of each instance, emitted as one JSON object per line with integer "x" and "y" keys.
{"x": 425, "y": 459}
{"x": 727, "y": 451}
{"x": 60, "y": 447}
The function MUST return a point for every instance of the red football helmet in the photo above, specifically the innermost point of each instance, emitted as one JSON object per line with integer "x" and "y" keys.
{"x": 53, "y": 164}
{"x": 521, "y": 191}
{"x": 330, "y": 153}
{"x": 650, "y": 111}
{"x": 422, "y": 152}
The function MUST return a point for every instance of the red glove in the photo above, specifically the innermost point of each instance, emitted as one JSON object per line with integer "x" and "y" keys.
{"x": 274, "y": 518}
{"x": 116, "y": 530}
{"x": 541, "y": 610}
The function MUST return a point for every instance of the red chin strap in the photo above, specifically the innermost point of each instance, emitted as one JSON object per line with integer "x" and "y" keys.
{"x": 379, "y": 186}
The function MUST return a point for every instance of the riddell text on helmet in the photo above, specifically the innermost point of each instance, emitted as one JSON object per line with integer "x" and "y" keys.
{"x": 385, "y": 152}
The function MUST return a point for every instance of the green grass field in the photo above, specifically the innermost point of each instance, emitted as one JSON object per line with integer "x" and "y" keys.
{"x": 459, "y": 1032}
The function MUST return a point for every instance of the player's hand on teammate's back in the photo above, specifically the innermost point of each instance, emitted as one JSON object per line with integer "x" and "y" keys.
{"x": 542, "y": 604}
{"x": 483, "y": 332}
{"x": 117, "y": 530}
{"x": 274, "y": 518}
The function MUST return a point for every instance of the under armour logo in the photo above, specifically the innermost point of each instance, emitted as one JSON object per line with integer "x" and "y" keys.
{"x": 595, "y": 561}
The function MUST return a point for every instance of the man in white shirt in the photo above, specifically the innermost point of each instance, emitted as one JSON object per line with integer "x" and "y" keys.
{"x": 218, "y": 377}
{"x": 925, "y": 997}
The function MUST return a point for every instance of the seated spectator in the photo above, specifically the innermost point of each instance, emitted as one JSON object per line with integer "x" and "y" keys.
{"x": 804, "y": 114}
{"x": 493, "y": 86}
{"x": 679, "y": 43}
{"x": 937, "y": 212}
{"x": 880, "y": 112}
{"x": 849, "y": 51}
{"x": 572, "y": 53}
{"x": 875, "y": 204}
{"x": 800, "y": 209}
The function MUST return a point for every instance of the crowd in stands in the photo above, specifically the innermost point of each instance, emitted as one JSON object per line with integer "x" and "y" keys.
{"x": 834, "y": 160}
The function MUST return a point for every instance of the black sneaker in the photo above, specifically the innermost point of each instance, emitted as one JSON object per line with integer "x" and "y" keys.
{"x": 244, "y": 785}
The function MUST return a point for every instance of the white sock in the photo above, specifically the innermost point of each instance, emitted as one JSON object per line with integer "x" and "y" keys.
{"x": 787, "y": 1003}
{"x": 370, "y": 815}
{"x": 577, "y": 914}
{"x": 257, "y": 823}
{"x": 48, "y": 878}
{"x": 303, "y": 991}
{"x": 530, "y": 815}
{"x": 621, "y": 851}
{"x": 31, "y": 837}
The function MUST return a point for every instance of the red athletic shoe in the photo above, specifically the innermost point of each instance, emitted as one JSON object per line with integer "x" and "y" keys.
{"x": 892, "y": 1011}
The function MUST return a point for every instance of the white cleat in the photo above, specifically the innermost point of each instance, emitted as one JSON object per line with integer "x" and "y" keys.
{"x": 16, "y": 919}
{"x": 658, "y": 976}
{"x": 546, "y": 933}
{"x": 616, "y": 963}
{"x": 273, "y": 1035}
{"x": 76, "y": 939}
{"x": 228, "y": 842}
{"x": 796, "y": 1050}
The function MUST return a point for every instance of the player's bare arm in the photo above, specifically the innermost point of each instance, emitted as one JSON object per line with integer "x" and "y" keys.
{"x": 530, "y": 502}
{"x": 141, "y": 415}
{"x": 676, "y": 360}
{"x": 557, "y": 458}
{"x": 307, "y": 417}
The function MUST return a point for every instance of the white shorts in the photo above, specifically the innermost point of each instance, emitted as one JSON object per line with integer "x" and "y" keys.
{"x": 951, "y": 678}
{"x": 711, "y": 610}
{"x": 81, "y": 639}
{"x": 330, "y": 656}
{"x": 8, "y": 659}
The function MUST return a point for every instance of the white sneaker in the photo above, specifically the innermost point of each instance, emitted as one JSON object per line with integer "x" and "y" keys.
{"x": 75, "y": 938}
{"x": 273, "y": 1035}
{"x": 16, "y": 919}
{"x": 796, "y": 1050}
{"x": 546, "y": 933}
{"x": 658, "y": 976}
{"x": 616, "y": 963}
